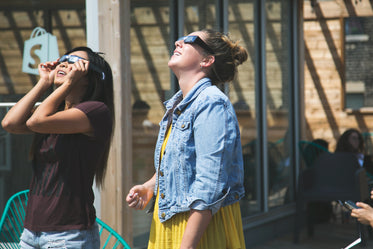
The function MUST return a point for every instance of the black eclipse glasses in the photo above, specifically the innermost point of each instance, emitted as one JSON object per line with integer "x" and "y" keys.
{"x": 193, "y": 39}
{"x": 71, "y": 59}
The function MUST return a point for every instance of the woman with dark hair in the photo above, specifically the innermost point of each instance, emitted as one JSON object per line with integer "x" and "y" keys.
{"x": 73, "y": 128}
{"x": 198, "y": 157}
{"x": 352, "y": 141}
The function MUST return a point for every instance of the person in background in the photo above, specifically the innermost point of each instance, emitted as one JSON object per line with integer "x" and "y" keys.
{"x": 352, "y": 141}
{"x": 198, "y": 157}
{"x": 73, "y": 128}
{"x": 320, "y": 211}
{"x": 313, "y": 150}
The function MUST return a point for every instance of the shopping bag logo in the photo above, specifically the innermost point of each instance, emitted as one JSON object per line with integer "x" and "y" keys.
{"x": 41, "y": 47}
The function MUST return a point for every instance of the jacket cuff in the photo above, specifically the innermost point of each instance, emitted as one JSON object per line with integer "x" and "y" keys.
{"x": 199, "y": 204}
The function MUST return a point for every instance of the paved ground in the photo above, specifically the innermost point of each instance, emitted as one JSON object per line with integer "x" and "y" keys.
{"x": 333, "y": 235}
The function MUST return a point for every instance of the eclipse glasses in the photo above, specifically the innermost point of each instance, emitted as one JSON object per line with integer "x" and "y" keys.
{"x": 194, "y": 39}
{"x": 71, "y": 59}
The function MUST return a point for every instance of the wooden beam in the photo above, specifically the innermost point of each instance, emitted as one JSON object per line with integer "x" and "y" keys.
{"x": 114, "y": 33}
{"x": 41, "y": 4}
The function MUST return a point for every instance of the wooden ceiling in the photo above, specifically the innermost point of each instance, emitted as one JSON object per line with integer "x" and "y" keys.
{"x": 40, "y": 4}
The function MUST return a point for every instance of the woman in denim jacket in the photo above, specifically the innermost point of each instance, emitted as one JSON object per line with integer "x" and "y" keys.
{"x": 198, "y": 158}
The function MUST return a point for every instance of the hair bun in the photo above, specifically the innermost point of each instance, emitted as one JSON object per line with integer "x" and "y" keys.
{"x": 228, "y": 55}
{"x": 239, "y": 54}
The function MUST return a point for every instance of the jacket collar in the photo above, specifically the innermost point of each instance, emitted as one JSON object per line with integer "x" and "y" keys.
{"x": 181, "y": 103}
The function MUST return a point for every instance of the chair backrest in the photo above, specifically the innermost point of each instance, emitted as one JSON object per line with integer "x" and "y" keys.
{"x": 109, "y": 237}
{"x": 310, "y": 151}
{"x": 11, "y": 225}
{"x": 336, "y": 176}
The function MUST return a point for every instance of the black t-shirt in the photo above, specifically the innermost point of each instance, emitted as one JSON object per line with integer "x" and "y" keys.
{"x": 61, "y": 195}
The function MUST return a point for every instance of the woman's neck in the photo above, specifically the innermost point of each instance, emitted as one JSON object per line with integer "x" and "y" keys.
{"x": 69, "y": 103}
{"x": 187, "y": 81}
{"x": 74, "y": 98}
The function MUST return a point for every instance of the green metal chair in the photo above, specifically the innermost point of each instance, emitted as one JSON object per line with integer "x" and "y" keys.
{"x": 11, "y": 225}
{"x": 109, "y": 237}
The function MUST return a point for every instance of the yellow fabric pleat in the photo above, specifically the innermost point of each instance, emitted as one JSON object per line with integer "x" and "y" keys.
{"x": 224, "y": 231}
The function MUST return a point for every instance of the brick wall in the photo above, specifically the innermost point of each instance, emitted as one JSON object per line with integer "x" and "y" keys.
{"x": 325, "y": 73}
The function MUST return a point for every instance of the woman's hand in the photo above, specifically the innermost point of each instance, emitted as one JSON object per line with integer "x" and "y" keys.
{"x": 78, "y": 70}
{"x": 139, "y": 196}
{"x": 47, "y": 71}
{"x": 364, "y": 214}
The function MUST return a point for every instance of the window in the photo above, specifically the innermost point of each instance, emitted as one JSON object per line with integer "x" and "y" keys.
{"x": 358, "y": 50}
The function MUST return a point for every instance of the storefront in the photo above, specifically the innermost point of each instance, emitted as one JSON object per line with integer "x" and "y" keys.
{"x": 137, "y": 38}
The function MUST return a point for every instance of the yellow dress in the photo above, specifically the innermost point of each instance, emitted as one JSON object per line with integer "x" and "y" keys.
{"x": 223, "y": 232}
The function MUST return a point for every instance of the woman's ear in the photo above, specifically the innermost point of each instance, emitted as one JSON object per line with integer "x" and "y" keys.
{"x": 208, "y": 61}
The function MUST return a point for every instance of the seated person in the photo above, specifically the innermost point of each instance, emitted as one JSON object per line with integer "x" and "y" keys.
{"x": 352, "y": 141}
{"x": 313, "y": 150}
{"x": 320, "y": 211}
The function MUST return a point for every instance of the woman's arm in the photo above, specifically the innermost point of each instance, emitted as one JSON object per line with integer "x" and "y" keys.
{"x": 47, "y": 118}
{"x": 196, "y": 226}
{"x": 15, "y": 119}
{"x": 214, "y": 139}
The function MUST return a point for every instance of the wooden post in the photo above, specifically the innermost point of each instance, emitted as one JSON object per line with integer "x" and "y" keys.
{"x": 114, "y": 35}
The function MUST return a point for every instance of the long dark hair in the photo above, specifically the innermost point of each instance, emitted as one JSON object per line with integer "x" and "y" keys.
{"x": 100, "y": 88}
{"x": 343, "y": 145}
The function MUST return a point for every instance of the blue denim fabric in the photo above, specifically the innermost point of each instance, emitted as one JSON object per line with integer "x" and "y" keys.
{"x": 71, "y": 239}
{"x": 202, "y": 165}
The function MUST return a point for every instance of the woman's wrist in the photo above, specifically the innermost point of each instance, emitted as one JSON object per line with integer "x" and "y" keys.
{"x": 371, "y": 220}
{"x": 149, "y": 185}
{"x": 45, "y": 83}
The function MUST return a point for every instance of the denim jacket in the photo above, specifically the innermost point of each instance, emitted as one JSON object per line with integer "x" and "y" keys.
{"x": 202, "y": 166}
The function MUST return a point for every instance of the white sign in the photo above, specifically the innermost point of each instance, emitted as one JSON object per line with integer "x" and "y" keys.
{"x": 40, "y": 48}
